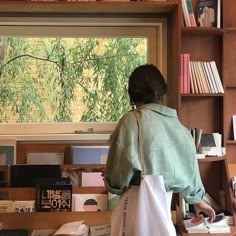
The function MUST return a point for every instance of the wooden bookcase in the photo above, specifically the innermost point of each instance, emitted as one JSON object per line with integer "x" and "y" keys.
{"x": 213, "y": 112}
{"x": 210, "y": 112}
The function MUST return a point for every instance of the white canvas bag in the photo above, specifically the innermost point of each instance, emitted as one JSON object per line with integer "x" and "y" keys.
{"x": 143, "y": 210}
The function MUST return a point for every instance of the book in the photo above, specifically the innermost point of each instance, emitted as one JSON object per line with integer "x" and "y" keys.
{"x": 6, "y": 206}
{"x": 211, "y": 144}
{"x": 89, "y": 202}
{"x": 53, "y": 197}
{"x": 89, "y": 154}
{"x": 200, "y": 224}
{"x": 43, "y": 232}
{"x": 45, "y": 158}
{"x": 234, "y": 126}
{"x": 23, "y": 206}
{"x": 92, "y": 179}
{"x": 191, "y": 13}
{"x": 76, "y": 228}
{"x": 185, "y": 13}
{"x": 217, "y": 77}
{"x": 8, "y": 147}
{"x": 22, "y": 175}
{"x": 14, "y": 232}
{"x": 209, "y": 13}
{"x": 100, "y": 230}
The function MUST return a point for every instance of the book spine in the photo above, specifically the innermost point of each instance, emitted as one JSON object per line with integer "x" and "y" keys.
{"x": 185, "y": 13}
{"x": 191, "y": 13}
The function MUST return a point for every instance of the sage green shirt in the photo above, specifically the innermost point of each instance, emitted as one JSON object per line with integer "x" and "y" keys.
{"x": 169, "y": 150}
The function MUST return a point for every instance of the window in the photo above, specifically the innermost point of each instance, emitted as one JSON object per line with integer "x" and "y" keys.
{"x": 72, "y": 70}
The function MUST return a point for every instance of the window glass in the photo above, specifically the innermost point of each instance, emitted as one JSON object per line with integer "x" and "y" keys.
{"x": 67, "y": 79}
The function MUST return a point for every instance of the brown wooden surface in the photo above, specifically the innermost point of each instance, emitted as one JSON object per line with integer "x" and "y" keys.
{"x": 22, "y": 194}
{"x": 229, "y": 16}
{"x": 87, "y": 7}
{"x": 51, "y": 220}
{"x": 202, "y": 112}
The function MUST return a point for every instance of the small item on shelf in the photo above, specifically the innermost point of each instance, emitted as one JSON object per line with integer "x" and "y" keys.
{"x": 53, "y": 197}
{"x": 77, "y": 228}
{"x": 43, "y": 232}
{"x": 211, "y": 144}
{"x": 89, "y": 154}
{"x": 100, "y": 230}
{"x": 89, "y": 202}
{"x": 234, "y": 126}
{"x": 209, "y": 13}
{"x": 23, "y": 206}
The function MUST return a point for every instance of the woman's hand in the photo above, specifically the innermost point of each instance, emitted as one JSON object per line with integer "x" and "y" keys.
{"x": 205, "y": 208}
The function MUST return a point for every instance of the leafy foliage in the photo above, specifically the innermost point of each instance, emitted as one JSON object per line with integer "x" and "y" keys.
{"x": 39, "y": 77}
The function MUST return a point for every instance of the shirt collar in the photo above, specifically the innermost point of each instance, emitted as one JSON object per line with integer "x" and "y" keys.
{"x": 160, "y": 109}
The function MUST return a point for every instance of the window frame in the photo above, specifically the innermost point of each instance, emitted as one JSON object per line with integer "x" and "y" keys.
{"x": 154, "y": 29}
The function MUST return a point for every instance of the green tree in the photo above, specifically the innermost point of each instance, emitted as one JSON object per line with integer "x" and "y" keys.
{"x": 39, "y": 77}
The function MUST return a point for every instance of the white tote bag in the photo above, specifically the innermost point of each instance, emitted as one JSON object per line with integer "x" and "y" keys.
{"x": 143, "y": 210}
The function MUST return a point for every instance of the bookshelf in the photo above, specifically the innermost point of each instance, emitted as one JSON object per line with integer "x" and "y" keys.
{"x": 211, "y": 112}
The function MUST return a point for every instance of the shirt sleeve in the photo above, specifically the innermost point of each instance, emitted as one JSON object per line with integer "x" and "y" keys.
{"x": 119, "y": 167}
{"x": 195, "y": 190}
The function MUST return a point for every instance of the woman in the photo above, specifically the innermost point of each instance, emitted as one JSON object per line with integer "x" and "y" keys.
{"x": 169, "y": 149}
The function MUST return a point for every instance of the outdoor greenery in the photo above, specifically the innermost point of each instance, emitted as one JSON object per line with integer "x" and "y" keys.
{"x": 40, "y": 77}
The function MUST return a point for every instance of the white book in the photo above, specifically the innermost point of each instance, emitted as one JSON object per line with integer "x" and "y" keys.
{"x": 209, "y": 88}
{"x": 234, "y": 126}
{"x": 218, "y": 23}
{"x": 89, "y": 202}
{"x": 217, "y": 76}
{"x": 45, "y": 158}
{"x": 212, "y": 89}
{"x": 211, "y": 76}
{"x": 73, "y": 228}
{"x": 43, "y": 232}
{"x": 23, "y": 206}
{"x": 100, "y": 230}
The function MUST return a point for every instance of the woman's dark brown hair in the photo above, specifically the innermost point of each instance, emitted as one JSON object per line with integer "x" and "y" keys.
{"x": 146, "y": 85}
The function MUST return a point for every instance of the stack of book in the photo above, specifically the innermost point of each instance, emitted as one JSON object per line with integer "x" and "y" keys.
{"x": 199, "y": 76}
{"x": 200, "y": 224}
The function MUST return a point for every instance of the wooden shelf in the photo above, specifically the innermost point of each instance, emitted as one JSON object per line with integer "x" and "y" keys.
{"x": 231, "y": 142}
{"x": 230, "y": 86}
{"x": 202, "y": 94}
{"x": 39, "y": 220}
{"x": 202, "y": 31}
{"x": 23, "y": 193}
{"x": 87, "y": 7}
{"x": 212, "y": 159}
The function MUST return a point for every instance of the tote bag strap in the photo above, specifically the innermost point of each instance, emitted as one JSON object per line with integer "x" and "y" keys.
{"x": 140, "y": 140}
